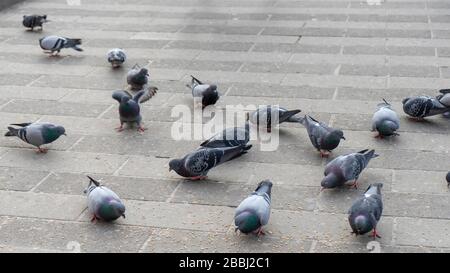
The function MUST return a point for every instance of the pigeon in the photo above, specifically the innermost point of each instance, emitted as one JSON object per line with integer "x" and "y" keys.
{"x": 116, "y": 57}
{"x": 269, "y": 116}
{"x": 206, "y": 92}
{"x": 197, "y": 164}
{"x": 424, "y": 106}
{"x": 137, "y": 77}
{"x": 32, "y": 21}
{"x": 129, "y": 109}
{"x": 366, "y": 211}
{"x": 55, "y": 43}
{"x": 37, "y": 134}
{"x": 385, "y": 121}
{"x": 346, "y": 168}
{"x": 254, "y": 211}
{"x": 230, "y": 137}
{"x": 323, "y": 138}
{"x": 448, "y": 179}
{"x": 103, "y": 203}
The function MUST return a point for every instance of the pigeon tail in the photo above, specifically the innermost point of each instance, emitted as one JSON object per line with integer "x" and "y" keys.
{"x": 289, "y": 116}
{"x": 12, "y": 132}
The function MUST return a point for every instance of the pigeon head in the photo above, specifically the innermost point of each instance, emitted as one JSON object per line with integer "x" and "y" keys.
{"x": 60, "y": 130}
{"x": 330, "y": 181}
{"x": 111, "y": 210}
{"x": 332, "y": 140}
{"x": 247, "y": 222}
{"x": 176, "y": 165}
{"x": 265, "y": 186}
{"x": 210, "y": 96}
{"x": 362, "y": 225}
{"x": 387, "y": 128}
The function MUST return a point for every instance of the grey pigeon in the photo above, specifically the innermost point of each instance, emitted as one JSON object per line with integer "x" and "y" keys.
{"x": 198, "y": 163}
{"x": 267, "y": 116}
{"x": 254, "y": 211}
{"x": 116, "y": 57}
{"x": 32, "y": 21}
{"x": 206, "y": 92}
{"x": 346, "y": 168}
{"x": 129, "y": 109}
{"x": 103, "y": 203}
{"x": 230, "y": 137}
{"x": 56, "y": 43}
{"x": 385, "y": 120}
{"x": 366, "y": 211}
{"x": 323, "y": 138}
{"x": 448, "y": 179}
{"x": 37, "y": 134}
{"x": 424, "y": 106}
{"x": 137, "y": 77}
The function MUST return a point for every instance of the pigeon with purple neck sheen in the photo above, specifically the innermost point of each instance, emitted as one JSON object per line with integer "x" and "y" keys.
{"x": 366, "y": 211}
{"x": 323, "y": 138}
{"x": 346, "y": 168}
{"x": 197, "y": 164}
{"x": 116, "y": 57}
{"x": 103, "y": 203}
{"x": 254, "y": 211}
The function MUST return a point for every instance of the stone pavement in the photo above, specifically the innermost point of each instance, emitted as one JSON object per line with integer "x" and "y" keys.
{"x": 333, "y": 59}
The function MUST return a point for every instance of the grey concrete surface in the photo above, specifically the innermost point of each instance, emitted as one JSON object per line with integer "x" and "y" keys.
{"x": 334, "y": 59}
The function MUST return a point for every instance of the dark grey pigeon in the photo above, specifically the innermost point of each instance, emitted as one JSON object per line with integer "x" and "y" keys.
{"x": 385, "y": 121}
{"x": 424, "y": 106}
{"x": 37, "y": 134}
{"x": 55, "y": 43}
{"x": 129, "y": 109}
{"x": 448, "y": 179}
{"x": 137, "y": 77}
{"x": 103, "y": 203}
{"x": 268, "y": 116}
{"x": 116, "y": 57}
{"x": 366, "y": 211}
{"x": 254, "y": 211}
{"x": 197, "y": 164}
{"x": 230, "y": 137}
{"x": 346, "y": 168}
{"x": 206, "y": 92}
{"x": 323, "y": 138}
{"x": 32, "y": 21}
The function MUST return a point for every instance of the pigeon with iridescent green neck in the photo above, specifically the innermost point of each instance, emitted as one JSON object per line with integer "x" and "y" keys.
{"x": 420, "y": 107}
{"x": 103, "y": 203}
{"x": 37, "y": 134}
{"x": 254, "y": 211}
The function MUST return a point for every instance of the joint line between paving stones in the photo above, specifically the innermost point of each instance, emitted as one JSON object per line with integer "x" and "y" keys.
{"x": 35, "y": 80}
{"x": 145, "y": 244}
{"x": 116, "y": 173}
{"x": 312, "y": 249}
{"x": 76, "y": 143}
{"x": 104, "y": 112}
{"x": 33, "y": 189}
{"x": 172, "y": 195}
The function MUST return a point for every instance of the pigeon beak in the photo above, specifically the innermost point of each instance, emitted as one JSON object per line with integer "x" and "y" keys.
{"x": 170, "y": 169}
{"x": 65, "y": 134}
{"x": 343, "y": 138}
{"x": 123, "y": 215}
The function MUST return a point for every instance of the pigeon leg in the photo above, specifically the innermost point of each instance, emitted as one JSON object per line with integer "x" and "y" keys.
{"x": 375, "y": 234}
{"x": 141, "y": 129}
{"x": 379, "y": 136}
{"x": 93, "y": 219}
{"x": 120, "y": 128}
{"x": 260, "y": 232}
{"x": 355, "y": 184}
{"x": 324, "y": 153}
{"x": 42, "y": 150}
{"x": 198, "y": 178}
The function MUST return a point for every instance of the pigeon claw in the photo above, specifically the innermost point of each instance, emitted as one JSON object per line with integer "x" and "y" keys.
{"x": 41, "y": 150}
{"x": 260, "y": 232}
{"x": 375, "y": 234}
{"x": 198, "y": 178}
{"x": 141, "y": 129}
{"x": 120, "y": 129}
{"x": 324, "y": 154}
{"x": 93, "y": 219}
